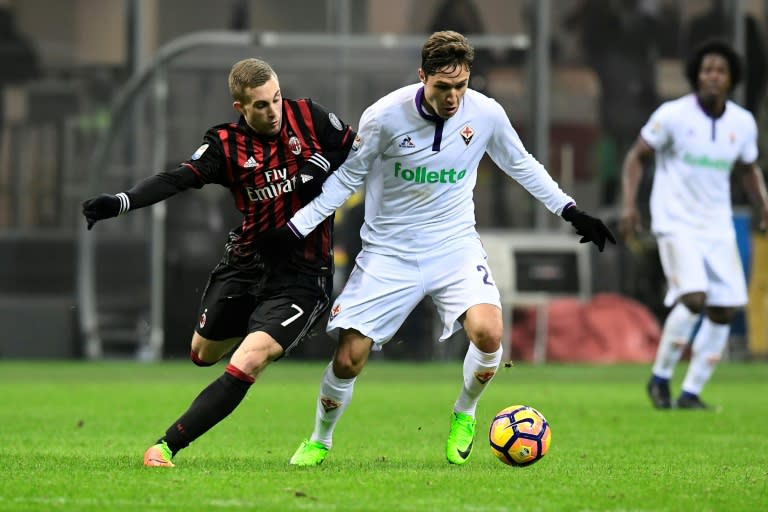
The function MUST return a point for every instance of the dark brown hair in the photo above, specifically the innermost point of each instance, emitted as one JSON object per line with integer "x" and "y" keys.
{"x": 446, "y": 49}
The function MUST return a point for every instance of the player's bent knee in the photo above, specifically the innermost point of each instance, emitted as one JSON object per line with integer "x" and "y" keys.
{"x": 487, "y": 339}
{"x": 200, "y": 362}
{"x": 347, "y": 367}
{"x": 722, "y": 316}
{"x": 695, "y": 302}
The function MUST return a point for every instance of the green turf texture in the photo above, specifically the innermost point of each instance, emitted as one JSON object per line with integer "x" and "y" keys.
{"x": 72, "y": 436}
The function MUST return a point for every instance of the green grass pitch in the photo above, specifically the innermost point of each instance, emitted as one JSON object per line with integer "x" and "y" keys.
{"x": 72, "y": 435}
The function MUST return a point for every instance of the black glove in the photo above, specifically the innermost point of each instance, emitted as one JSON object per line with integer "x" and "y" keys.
{"x": 591, "y": 229}
{"x": 278, "y": 242}
{"x": 105, "y": 206}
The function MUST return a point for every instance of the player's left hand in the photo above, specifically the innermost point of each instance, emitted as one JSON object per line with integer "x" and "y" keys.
{"x": 591, "y": 229}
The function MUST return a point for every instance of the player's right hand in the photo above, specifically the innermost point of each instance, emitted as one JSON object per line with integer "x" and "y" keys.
{"x": 103, "y": 206}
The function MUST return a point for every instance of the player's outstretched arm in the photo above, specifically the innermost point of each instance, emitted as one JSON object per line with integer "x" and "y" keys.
{"x": 149, "y": 191}
{"x": 105, "y": 206}
{"x": 591, "y": 229}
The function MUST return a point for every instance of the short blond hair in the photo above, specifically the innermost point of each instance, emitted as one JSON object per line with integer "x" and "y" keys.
{"x": 248, "y": 73}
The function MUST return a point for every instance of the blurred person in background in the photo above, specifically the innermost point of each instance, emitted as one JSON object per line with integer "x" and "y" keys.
{"x": 697, "y": 140}
{"x": 420, "y": 147}
{"x": 716, "y": 22}
{"x": 18, "y": 60}
{"x": 273, "y": 160}
{"x": 619, "y": 41}
{"x": 463, "y": 16}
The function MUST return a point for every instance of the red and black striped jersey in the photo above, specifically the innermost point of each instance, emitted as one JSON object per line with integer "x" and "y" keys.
{"x": 261, "y": 173}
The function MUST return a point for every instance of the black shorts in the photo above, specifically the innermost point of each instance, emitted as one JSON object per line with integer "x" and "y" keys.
{"x": 285, "y": 304}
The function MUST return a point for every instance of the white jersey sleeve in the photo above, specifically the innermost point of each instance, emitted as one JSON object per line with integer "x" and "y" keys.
{"x": 342, "y": 183}
{"x": 506, "y": 149}
{"x": 657, "y": 131}
{"x": 749, "y": 150}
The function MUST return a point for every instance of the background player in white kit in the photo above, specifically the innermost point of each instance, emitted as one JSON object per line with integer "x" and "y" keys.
{"x": 698, "y": 140}
{"x": 418, "y": 150}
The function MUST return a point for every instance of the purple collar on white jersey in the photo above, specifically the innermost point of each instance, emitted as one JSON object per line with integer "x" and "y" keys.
{"x": 439, "y": 121}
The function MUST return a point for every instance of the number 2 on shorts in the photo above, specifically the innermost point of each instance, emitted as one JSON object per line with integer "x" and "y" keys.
{"x": 481, "y": 268}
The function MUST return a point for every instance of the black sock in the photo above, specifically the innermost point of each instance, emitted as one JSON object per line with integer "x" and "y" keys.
{"x": 211, "y": 406}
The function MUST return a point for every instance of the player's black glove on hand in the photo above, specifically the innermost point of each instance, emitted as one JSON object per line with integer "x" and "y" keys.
{"x": 104, "y": 206}
{"x": 591, "y": 229}
{"x": 278, "y": 242}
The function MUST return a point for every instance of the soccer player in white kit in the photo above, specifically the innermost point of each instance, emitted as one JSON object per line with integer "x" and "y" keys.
{"x": 418, "y": 151}
{"x": 698, "y": 140}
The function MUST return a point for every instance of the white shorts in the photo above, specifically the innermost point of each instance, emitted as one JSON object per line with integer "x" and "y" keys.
{"x": 382, "y": 290}
{"x": 696, "y": 264}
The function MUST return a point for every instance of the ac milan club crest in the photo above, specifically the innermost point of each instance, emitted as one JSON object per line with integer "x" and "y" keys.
{"x": 294, "y": 145}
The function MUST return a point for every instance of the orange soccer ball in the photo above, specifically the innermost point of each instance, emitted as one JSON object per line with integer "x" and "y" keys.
{"x": 519, "y": 435}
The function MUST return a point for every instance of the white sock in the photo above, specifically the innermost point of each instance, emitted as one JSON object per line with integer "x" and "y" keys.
{"x": 707, "y": 349}
{"x": 479, "y": 369}
{"x": 335, "y": 395}
{"x": 674, "y": 337}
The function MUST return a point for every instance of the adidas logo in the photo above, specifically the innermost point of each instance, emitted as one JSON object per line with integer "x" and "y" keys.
{"x": 251, "y": 162}
{"x": 305, "y": 178}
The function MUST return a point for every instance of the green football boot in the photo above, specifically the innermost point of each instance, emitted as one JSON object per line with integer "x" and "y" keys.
{"x": 461, "y": 438}
{"x": 309, "y": 453}
{"x": 158, "y": 455}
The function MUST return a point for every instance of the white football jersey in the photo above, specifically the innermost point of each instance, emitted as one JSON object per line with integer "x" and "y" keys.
{"x": 694, "y": 157}
{"x": 420, "y": 172}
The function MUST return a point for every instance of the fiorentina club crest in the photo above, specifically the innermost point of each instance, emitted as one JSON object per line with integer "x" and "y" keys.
{"x": 203, "y": 318}
{"x": 329, "y": 404}
{"x": 467, "y": 133}
{"x": 335, "y": 311}
{"x": 294, "y": 145}
{"x": 484, "y": 377}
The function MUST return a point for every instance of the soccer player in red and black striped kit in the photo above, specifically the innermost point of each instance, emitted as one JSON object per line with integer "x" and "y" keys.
{"x": 273, "y": 160}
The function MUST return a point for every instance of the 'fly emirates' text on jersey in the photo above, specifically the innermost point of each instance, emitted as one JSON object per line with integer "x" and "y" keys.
{"x": 694, "y": 157}
{"x": 420, "y": 172}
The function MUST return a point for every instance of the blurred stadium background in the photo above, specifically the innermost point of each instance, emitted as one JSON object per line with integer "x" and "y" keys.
{"x": 99, "y": 93}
